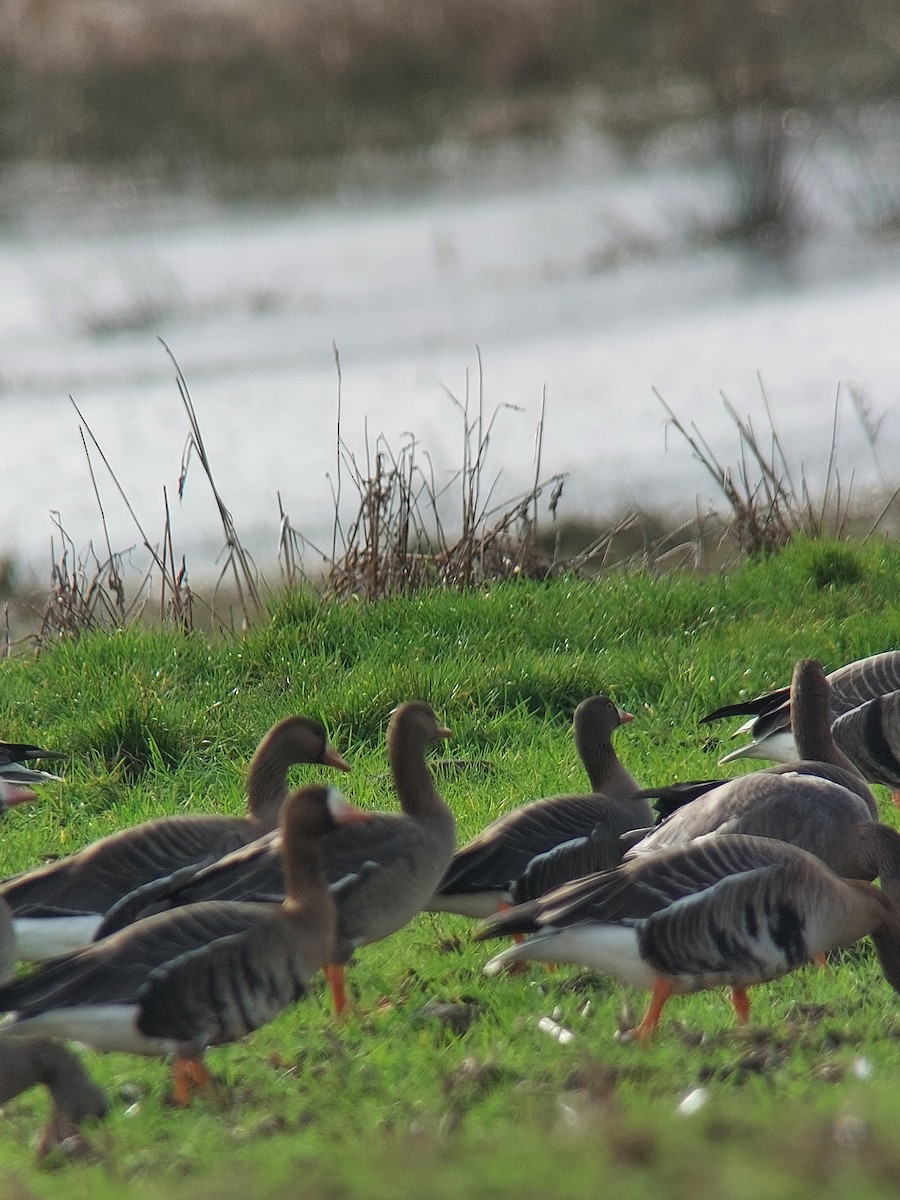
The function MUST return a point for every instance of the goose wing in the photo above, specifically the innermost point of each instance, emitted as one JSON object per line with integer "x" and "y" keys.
{"x": 250, "y": 872}
{"x": 601, "y": 850}
{"x": 220, "y": 992}
{"x": 643, "y": 886}
{"x": 502, "y": 851}
{"x": 20, "y": 752}
{"x": 746, "y": 927}
{"x": 114, "y": 970}
{"x": 757, "y": 707}
{"x": 93, "y": 879}
{"x": 806, "y": 808}
{"x": 851, "y": 686}
{"x": 671, "y": 796}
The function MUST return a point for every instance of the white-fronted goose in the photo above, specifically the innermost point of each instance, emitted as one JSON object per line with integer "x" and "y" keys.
{"x": 58, "y": 907}
{"x": 859, "y": 683}
{"x": 202, "y": 975}
{"x": 730, "y": 910}
{"x": 480, "y": 877}
{"x": 816, "y": 803}
{"x": 382, "y": 875}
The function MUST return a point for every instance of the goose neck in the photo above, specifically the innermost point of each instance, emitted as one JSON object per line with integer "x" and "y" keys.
{"x": 413, "y": 781}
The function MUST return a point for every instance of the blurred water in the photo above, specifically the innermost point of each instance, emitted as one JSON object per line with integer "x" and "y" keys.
{"x": 572, "y": 270}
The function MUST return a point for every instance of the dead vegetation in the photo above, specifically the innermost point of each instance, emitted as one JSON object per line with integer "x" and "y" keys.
{"x": 397, "y": 529}
{"x": 769, "y": 504}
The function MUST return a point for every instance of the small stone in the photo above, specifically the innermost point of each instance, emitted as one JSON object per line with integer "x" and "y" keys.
{"x": 693, "y": 1101}
{"x": 555, "y": 1030}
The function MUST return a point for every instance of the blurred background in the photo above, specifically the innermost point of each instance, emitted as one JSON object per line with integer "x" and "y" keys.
{"x": 357, "y": 221}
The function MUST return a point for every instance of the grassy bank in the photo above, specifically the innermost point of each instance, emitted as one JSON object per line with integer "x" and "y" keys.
{"x": 398, "y": 1102}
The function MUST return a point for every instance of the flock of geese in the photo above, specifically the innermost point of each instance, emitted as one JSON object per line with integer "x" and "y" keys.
{"x": 191, "y": 931}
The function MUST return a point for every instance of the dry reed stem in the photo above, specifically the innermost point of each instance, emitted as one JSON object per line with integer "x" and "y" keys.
{"x": 767, "y": 508}
{"x": 236, "y": 558}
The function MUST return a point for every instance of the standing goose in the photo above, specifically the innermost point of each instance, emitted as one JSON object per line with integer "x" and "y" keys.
{"x": 730, "y": 910}
{"x": 202, "y": 975}
{"x": 481, "y": 876}
{"x": 819, "y": 803}
{"x": 382, "y": 875}
{"x": 858, "y": 683}
{"x": 58, "y": 907}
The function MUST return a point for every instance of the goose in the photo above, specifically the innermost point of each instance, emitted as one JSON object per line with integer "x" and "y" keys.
{"x": 480, "y": 877}
{"x": 32, "y": 1061}
{"x": 15, "y": 776}
{"x": 28, "y": 1062}
{"x": 871, "y": 742}
{"x": 820, "y": 803}
{"x": 870, "y": 737}
{"x": 731, "y": 910}
{"x": 601, "y": 849}
{"x": 382, "y": 875}
{"x": 58, "y": 907}
{"x": 199, "y": 976}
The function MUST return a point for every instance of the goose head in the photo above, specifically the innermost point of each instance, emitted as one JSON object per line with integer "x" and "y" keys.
{"x": 594, "y": 723}
{"x": 293, "y": 740}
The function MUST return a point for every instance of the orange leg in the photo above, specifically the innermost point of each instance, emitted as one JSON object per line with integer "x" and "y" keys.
{"x": 188, "y": 1076}
{"x": 662, "y": 990}
{"x": 741, "y": 1002}
{"x": 334, "y": 973}
{"x": 821, "y": 960}
{"x": 895, "y": 796}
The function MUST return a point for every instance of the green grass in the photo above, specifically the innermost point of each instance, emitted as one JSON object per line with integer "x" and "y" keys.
{"x": 803, "y": 1103}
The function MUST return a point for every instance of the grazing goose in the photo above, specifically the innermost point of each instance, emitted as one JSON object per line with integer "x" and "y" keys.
{"x": 382, "y": 875}
{"x": 31, "y": 1061}
{"x": 730, "y": 910}
{"x": 27, "y": 1062}
{"x": 481, "y": 875}
{"x": 202, "y": 975}
{"x": 58, "y": 907}
{"x": 816, "y": 803}
{"x": 870, "y": 737}
{"x": 858, "y": 683}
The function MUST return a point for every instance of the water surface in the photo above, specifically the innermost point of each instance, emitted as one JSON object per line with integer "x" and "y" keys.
{"x": 571, "y": 269}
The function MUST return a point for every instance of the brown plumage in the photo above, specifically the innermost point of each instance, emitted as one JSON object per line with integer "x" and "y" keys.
{"x": 33, "y": 1061}
{"x": 29, "y": 1062}
{"x": 820, "y": 803}
{"x": 482, "y": 874}
{"x": 201, "y": 975}
{"x": 58, "y": 907}
{"x": 382, "y": 875}
{"x": 730, "y": 910}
